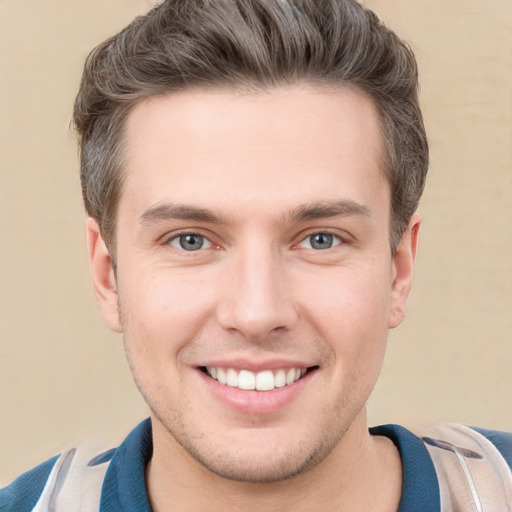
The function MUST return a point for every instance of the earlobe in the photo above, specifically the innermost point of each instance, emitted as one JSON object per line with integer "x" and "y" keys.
{"x": 403, "y": 265}
{"x": 102, "y": 275}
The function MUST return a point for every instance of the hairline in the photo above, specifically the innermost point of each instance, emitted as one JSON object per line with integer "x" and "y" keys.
{"x": 249, "y": 87}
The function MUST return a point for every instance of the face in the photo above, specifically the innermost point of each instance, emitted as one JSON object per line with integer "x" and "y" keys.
{"x": 255, "y": 283}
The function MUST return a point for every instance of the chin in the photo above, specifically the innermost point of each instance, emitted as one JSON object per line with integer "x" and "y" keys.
{"x": 263, "y": 468}
{"x": 259, "y": 456}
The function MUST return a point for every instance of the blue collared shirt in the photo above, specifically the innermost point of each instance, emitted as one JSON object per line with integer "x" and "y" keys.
{"x": 124, "y": 486}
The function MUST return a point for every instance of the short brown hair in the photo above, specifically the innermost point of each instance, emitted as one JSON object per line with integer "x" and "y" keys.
{"x": 183, "y": 44}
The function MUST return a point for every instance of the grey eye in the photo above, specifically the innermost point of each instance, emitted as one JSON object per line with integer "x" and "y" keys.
{"x": 189, "y": 242}
{"x": 321, "y": 241}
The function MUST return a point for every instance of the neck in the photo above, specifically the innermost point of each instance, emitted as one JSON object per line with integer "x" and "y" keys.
{"x": 363, "y": 473}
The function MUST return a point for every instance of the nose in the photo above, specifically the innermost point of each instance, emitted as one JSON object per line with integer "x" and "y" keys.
{"x": 257, "y": 301}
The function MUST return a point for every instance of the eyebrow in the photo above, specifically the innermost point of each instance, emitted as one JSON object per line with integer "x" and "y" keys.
{"x": 325, "y": 210}
{"x": 169, "y": 211}
{"x": 310, "y": 211}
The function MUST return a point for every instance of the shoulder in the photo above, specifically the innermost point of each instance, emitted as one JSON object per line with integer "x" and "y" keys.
{"x": 24, "y": 492}
{"x": 81, "y": 478}
{"x": 71, "y": 481}
{"x": 485, "y": 443}
{"x": 501, "y": 440}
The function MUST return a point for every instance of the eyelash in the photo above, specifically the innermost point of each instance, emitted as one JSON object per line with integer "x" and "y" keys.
{"x": 177, "y": 236}
{"x": 337, "y": 240}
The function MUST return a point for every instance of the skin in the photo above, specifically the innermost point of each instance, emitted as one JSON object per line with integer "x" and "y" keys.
{"x": 267, "y": 170}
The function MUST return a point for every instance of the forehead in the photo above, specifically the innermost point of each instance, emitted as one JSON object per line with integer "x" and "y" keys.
{"x": 277, "y": 147}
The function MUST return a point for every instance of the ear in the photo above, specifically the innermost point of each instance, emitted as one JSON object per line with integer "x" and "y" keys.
{"x": 403, "y": 265}
{"x": 102, "y": 275}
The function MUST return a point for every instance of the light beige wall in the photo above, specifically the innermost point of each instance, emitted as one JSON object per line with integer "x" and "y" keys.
{"x": 62, "y": 374}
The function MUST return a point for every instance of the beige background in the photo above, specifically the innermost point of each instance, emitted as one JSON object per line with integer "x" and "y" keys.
{"x": 63, "y": 377}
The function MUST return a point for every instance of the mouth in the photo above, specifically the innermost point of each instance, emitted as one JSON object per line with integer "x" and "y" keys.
{"x": 265, "y": 380}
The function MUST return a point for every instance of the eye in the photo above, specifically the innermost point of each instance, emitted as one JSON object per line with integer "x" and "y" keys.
{"x": 190, "y": 242}
{"x": 320, "y": 241}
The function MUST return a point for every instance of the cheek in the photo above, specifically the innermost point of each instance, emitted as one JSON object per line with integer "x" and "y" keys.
{"x": 350, "y": 312}
{"x": 162, "y": 312}
{"x": 348, "y": 301}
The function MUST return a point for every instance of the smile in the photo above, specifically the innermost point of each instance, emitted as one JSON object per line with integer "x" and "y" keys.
{"x": 266, "y": 380}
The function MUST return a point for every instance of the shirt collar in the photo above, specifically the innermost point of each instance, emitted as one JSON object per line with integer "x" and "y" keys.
{"x": 420, "y": 487}
{"x": 124, "y": 486}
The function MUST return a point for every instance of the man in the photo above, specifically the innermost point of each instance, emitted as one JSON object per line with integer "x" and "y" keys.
{"x": 251, "y": 172}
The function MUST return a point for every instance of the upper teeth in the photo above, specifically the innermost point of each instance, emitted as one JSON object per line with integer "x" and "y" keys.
{"x": 261, "y": 381}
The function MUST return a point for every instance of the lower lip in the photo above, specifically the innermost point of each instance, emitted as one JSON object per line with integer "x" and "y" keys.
{"x": 255, "y": 402}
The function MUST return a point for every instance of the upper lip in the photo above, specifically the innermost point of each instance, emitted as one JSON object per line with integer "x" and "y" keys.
{"x": 256, "y": 365}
